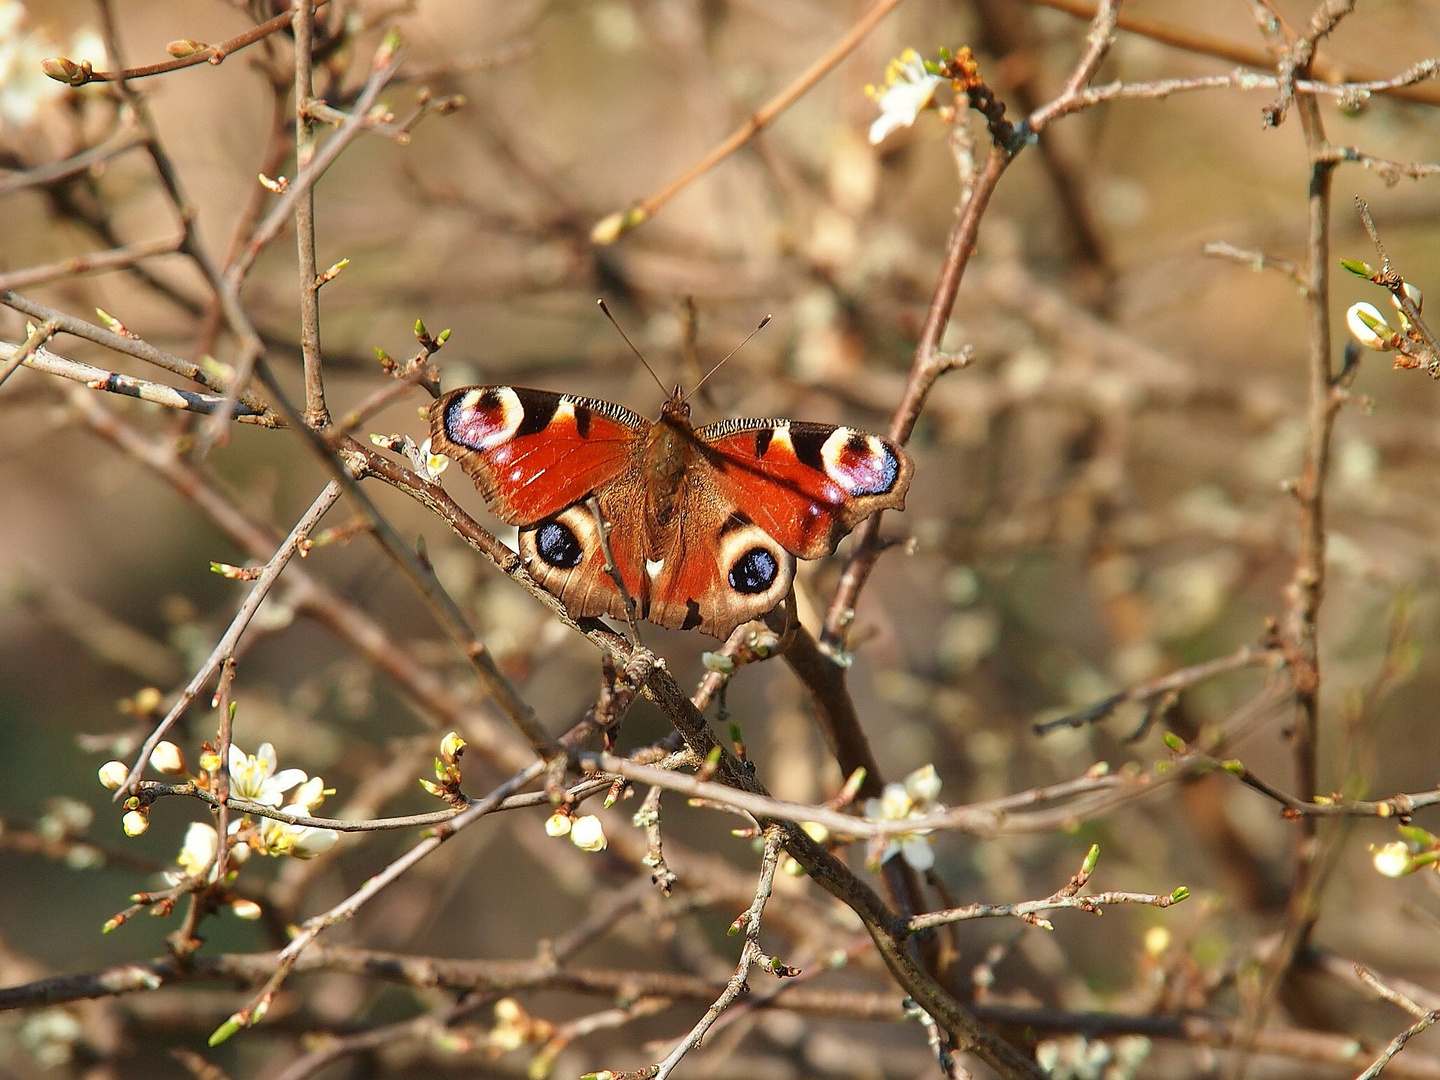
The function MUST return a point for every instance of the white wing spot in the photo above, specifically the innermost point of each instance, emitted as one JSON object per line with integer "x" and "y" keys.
{"x": 653, "y": 568}
{"x": 782, "y": 439}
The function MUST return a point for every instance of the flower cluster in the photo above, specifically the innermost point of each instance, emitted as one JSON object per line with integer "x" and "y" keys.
{"x": 914, "y": 798}
{"x": 256, "y": 777}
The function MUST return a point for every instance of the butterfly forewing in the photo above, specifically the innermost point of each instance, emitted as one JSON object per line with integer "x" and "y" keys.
{"x": 532, "y": 453}
{"x": 807, "y": 485}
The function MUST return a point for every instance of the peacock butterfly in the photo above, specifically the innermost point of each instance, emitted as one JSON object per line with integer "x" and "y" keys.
{"x": 705, "y": 524}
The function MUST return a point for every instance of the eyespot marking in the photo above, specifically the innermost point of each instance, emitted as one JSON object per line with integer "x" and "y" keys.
{"x": 861, "y": 464}
{"x": 484, "y": 418}
{"x": 558, "y": 546}
{"x": 754, "y": 572}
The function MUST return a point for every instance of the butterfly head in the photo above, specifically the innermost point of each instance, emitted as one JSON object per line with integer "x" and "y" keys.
{"x": 676, "y": 409}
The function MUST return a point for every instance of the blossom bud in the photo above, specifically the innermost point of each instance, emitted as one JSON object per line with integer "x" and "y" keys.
{"x": 588, "y": 834}
{"x": 167, "y": 758}
{"x": 1368, "y": 327}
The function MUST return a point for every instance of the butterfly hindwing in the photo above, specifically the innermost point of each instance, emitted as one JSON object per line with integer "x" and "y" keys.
{"x": 805, "y": 484}
{"x": 564, "y": 554}
{"x": 719, "y": 570}
{"x": 532, "y": 453}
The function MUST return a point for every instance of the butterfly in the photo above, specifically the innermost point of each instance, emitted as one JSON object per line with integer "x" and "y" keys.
{"x": 705, "y": 523}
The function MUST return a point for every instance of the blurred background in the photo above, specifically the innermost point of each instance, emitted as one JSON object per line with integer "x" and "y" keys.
{"x": 1098, "y": 497}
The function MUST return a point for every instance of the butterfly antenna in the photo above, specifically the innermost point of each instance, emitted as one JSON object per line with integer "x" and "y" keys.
{"x": 638, "y": 354}
{"x": 763, "y": 323}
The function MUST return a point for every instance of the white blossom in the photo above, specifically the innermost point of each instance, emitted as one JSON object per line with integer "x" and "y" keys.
{"x": 1392, "y": 859}
{"x": 908, "y": 89}
{"x": 913, "y": 798}
{"x": 255, "y": 776}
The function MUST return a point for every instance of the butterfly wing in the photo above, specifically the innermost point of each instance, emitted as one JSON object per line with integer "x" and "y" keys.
{"x": 565, "y": 555}
{"x": 532, "y": 453}
{"x": 806, "y": 485}
{"x": 719, "y": 568}
{"x": 704, "y": 534}
{"x": 536, "y": 456}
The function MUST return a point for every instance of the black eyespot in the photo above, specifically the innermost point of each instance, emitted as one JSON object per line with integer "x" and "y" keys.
{"x": 754, "y": 572}
{"x": 556, "y": 544}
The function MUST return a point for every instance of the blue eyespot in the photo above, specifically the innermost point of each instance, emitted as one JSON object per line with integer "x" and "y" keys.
{"x": 557, "y": 545}
{"x": 754, "y": 572}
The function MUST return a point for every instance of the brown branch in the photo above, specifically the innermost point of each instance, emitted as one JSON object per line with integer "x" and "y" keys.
{"x": 1197, "y": 41}
{"x": 507, "y": 977}
{"x": 614, "y": 226}
{"x": 73, "y": 74}
{"x": 114, "y": 259}
{"x": 47, "y": 362}
{"x": 316, "y": 414}
{"x": 1299, "y": 628}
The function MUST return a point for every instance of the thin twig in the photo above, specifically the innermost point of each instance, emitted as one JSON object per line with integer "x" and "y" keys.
{"x": 114, "y": 259}
{"x": 611, "y": 228}
{"x": 750, "y": 953}
{"x": 209, "y": 54}
{"x": 43, "y": 360}
{"x": 136, "y": 347}
{"x": 225, "y": 647}
{"x": 1197, "y": 41}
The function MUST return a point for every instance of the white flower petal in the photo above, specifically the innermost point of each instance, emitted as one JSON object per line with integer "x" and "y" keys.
{"x": 918, "y": 852}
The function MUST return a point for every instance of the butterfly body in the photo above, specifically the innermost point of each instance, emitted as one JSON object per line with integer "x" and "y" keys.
{"x": 705, "y": 523}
